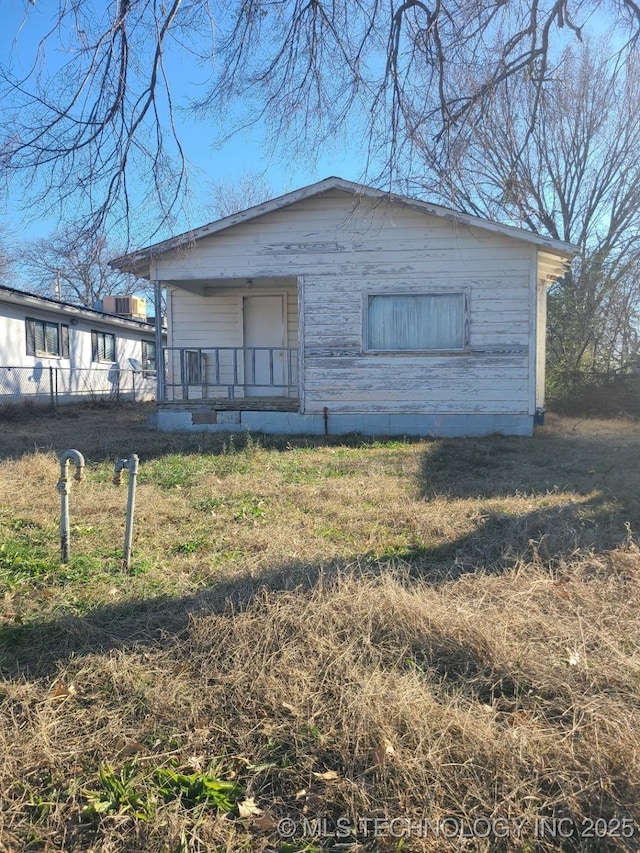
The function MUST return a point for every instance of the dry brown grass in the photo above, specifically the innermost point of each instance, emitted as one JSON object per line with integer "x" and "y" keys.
{"x": 359, "y": 631}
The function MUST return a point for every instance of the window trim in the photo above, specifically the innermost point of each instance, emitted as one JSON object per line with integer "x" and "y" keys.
{"x": 461, "y": 291}
{"x": 62, "y": 331}
{"x": 95, "y": 347}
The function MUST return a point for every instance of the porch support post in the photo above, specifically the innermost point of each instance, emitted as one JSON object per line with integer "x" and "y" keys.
{"x": 160, "y": 389}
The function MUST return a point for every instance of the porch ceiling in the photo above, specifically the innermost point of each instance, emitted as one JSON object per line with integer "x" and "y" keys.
{"x": 207, "y": 286}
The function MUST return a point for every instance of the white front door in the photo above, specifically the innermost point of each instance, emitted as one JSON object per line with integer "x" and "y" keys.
{"x": 264, "y": 326}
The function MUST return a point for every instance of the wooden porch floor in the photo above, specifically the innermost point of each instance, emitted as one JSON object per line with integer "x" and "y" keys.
{"x": 241, "y": 404}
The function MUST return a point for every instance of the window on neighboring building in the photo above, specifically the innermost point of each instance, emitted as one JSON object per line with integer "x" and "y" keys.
{"x": 103, "y": 346}
{"x": 47, "y": 338}
{"x": 148, "y": 356}
{"x": 416, "y": 322}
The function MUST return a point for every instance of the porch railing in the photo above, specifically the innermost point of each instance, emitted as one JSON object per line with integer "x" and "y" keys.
{"x": 230, "y": 372}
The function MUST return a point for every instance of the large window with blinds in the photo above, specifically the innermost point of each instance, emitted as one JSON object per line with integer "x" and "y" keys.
{"x": 45, "y": 338}
{"x": 417, "y": 322}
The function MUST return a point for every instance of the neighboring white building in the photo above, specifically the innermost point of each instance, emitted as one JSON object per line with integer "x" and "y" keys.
{"x": 62, "y": 352}
{"x": 340, "y": 308}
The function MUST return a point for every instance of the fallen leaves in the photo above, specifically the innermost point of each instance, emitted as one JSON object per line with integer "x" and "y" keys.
{"x": 383, "y": 753}
{"x": 60, "y": 691}
{"x": 249, "y": 808}
{"x": 127, "y": 748}
{"x": 327, "y": 776}
{"x": 261, "y": 819}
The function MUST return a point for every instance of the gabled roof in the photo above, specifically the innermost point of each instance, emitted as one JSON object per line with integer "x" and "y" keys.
{"x": 140, "y": 260}
{"x": 35, "y": 302}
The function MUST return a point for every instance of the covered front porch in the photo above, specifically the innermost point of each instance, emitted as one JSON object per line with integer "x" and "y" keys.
{"x": 234, "y": 345}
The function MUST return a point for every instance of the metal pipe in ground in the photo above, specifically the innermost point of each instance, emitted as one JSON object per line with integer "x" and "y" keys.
{"x": 131, "y": 465}
{"x": 64, "y": 487}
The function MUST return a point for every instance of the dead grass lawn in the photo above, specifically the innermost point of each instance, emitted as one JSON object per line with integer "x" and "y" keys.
{"x": 444, "y": 633}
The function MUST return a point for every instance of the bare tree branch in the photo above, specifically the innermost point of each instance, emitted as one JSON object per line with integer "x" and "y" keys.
{"x": 575, "y": 175}
{"x": 231, "y": 196}
{"x": 92, "y": 120}
{"x": 73, "y": 266}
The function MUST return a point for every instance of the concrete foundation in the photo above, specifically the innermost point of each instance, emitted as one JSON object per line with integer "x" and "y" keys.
{"x": 294, "y": 423}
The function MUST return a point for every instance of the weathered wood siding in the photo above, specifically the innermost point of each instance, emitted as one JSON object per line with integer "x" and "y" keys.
{"x": 344, "y": 253}
{"x": 492, "y": 376}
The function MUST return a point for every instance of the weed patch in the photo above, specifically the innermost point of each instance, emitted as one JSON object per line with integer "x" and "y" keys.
{"x": 197, "y": 789}
{"x": 18, "y": 563}
{"x": 118, "y": 794}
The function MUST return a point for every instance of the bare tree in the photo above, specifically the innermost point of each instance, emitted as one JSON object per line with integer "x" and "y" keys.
{"x": 86, "y": 126}
{"x": 7, "y": 258}
{"x": 231, "y": 195}
{"x": 74, "y": 267}
{"x": 575, "y": 175}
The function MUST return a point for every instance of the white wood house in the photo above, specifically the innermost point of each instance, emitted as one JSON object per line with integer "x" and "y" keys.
{"x": 62, "y": 353}
{"x": 340, "y": 308}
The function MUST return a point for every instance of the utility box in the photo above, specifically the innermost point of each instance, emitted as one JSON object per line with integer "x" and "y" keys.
{"x": 131, "y": 307}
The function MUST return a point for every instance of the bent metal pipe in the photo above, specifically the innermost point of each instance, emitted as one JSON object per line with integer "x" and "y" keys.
{"x": 64, "y": 487}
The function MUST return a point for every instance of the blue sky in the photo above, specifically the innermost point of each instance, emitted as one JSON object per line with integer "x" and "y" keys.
{"x": 24, "y": 23}
{"x": 245, "y": 153}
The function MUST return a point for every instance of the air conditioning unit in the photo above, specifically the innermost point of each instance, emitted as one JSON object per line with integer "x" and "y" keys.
{"x": 132, "y": 307}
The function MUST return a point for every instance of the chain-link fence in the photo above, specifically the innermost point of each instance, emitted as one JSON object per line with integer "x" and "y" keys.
{"x": 59, "y": 385}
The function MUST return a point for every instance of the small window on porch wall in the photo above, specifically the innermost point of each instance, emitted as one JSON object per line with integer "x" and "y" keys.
{"x": 417, "y": 322}
{"x": 194, "y": 367}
